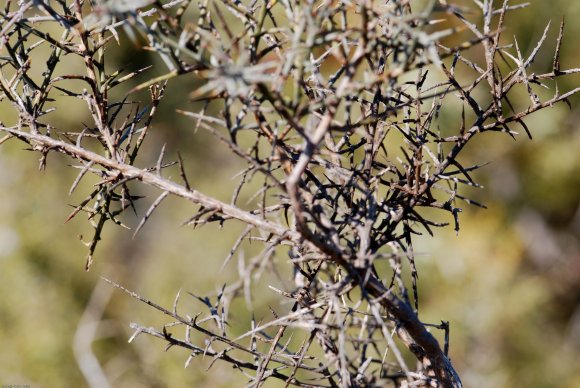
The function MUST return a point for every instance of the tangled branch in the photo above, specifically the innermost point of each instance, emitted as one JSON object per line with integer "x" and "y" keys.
{"x": 335, "y": 108}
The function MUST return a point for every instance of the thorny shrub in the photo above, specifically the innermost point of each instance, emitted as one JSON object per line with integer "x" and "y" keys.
{"x": 342, "y": 102}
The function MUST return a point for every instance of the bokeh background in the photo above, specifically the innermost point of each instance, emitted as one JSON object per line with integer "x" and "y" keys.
{"x": 509, "y": 282}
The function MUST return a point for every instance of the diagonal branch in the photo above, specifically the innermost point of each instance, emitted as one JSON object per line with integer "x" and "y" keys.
{"x": 131, "y": 172}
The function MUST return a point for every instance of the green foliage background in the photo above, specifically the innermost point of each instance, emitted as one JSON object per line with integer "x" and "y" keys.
{"x": 509, "y": 283}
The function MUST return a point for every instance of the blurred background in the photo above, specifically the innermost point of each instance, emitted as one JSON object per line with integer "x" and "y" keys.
{"x": 509, "y": 282}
